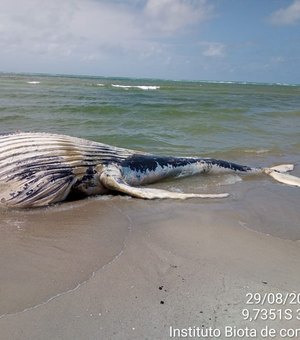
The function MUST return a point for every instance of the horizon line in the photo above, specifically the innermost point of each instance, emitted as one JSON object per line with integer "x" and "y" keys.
{"x": 69, "y": 75}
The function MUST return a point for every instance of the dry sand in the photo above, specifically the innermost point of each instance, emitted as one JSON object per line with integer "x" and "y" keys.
{"x": 158, "y": 264}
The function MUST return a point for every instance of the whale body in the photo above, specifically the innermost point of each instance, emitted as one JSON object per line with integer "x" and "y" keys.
{"x": 38, "y": 169}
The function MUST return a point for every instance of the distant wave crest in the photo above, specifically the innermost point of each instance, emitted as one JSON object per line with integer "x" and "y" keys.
{"x": 142, "y": 87}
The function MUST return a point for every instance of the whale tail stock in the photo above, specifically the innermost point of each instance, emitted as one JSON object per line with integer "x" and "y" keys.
{"x": 279, "y": 173}
{"x": 112, "y": 179}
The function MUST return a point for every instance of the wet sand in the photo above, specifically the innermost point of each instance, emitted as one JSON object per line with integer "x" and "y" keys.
{"x": 123, "y": 268}
{"x": 46, "y": 252}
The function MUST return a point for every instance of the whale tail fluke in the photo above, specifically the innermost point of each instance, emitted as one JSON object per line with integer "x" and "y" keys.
{"x": 279, "y": 173}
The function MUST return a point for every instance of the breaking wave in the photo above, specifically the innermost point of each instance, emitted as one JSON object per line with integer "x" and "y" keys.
{"x": 142, "y": 87}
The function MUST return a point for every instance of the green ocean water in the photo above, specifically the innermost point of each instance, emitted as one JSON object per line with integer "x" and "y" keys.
{"x": 164, "y": 117}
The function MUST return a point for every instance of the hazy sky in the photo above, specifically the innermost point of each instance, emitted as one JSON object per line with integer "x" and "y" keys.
{"x": 247, "y": 40}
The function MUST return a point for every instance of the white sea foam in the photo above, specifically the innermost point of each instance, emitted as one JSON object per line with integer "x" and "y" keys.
{"x": 142, "y": 87}
{"x": 33, "y": 82}
{"x": 259, "y": 151}
{"x": 100, "y": 84}
{"x": 229, "y": 180}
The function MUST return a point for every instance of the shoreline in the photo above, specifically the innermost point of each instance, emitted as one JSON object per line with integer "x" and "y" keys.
{"x": 183, "y": 264}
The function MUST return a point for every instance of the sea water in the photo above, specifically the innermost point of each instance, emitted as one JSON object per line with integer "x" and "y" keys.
{"x": 165, "y": 117}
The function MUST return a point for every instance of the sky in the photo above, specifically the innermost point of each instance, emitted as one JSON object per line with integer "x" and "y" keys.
{"x": 229, "y": 40}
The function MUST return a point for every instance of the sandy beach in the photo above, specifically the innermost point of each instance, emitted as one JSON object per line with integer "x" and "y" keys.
{"x": 122, "y": 268}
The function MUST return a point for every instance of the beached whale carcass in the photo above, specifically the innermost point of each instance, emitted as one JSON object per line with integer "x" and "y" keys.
{"x": 38, "y": 169}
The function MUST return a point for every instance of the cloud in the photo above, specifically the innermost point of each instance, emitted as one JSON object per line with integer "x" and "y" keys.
{"x": 94, "y": 28}
{"x": 213, "y": 49}
{"x": 169, "y": 16}
{"x": 36, "y": 27}
{"x": 107, "y": 37}
{"x": 287, "y": 16}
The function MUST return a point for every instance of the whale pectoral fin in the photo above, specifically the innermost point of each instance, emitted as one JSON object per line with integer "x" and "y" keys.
{"x": 112, "y": 179}
{"x": 37, "y": 192}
